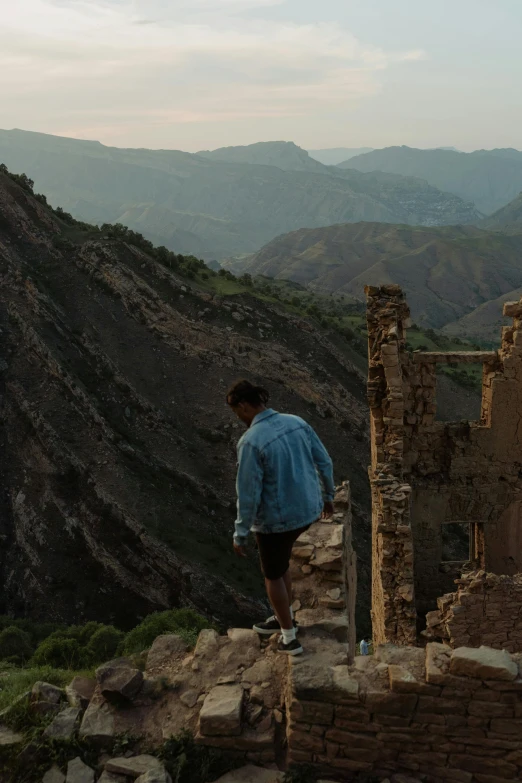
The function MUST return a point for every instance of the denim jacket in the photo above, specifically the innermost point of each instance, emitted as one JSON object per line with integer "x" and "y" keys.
{"x": 284, "y": 476}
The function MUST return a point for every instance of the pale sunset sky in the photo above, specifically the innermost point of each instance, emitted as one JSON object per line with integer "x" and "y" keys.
{"x": 200, "y": 74}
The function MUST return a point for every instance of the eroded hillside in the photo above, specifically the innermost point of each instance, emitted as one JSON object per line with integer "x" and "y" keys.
{"x": 118, "y": 451}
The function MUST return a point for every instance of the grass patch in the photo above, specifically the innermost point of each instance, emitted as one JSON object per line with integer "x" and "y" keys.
{"x": 14, "y": 682}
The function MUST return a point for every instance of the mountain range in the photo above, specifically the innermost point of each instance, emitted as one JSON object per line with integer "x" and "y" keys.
{"x": 446, "y": 272}
{"x": 117, "y": 462}
{"x": 222, "y": 203}
{"x": 488, "y": 178}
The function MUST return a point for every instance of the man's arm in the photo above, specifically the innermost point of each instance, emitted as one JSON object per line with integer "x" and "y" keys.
{"x": 324, "y": 466}
{"x": 249, "y": 487}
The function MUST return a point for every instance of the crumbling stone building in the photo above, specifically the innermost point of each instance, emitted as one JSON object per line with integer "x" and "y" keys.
{"x": 427, "y": 475}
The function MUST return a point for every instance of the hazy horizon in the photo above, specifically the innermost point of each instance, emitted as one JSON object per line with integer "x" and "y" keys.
{"x": 201, "y": 74}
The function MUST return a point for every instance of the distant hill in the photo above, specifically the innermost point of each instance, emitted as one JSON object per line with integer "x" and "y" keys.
{"x": 489, "y": 178}
{"x": 509, "y": 218}
{"x": 215, "y": 208}
{"x": 335, "y": 155}
{"x": 446, "y": 272}
{"x": 484, "y": 324}
{"x": 284, "y": 154}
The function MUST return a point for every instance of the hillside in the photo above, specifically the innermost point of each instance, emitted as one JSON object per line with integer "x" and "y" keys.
{"x": 212, "y": 208}
{"x": 118, "y": 451}
{"x": 509, "y": 218}
{"x": 446, "y": 272}
{"x": 489, "y": 178}
{"x": 334, "y": 155}
{"x": 283, "y": 154}
{"x": 484, "y": 324}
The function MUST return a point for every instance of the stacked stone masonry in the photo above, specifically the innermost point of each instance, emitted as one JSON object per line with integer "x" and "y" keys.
{"x": 426, "y": 474}
{"x": 441, "y": 714}
{"x": 485, "y": 609}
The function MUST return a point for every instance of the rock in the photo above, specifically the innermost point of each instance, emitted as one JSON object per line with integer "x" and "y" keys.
{"x": 158, "y": 776}
{"x": 483, "y": 663}
{"x": 53, "y": 775}
{"x": 237, "y": 316}
{"x": 244, "y": 636}
{"x": 134, "y": 766}
{"x": 80, "y": 692}
{"x": 119, "y": 679}
{"x": 164, "y": 649}
{"x": 98, "y": 723}
{"x": 259, "y": 672}
{"x": 78, "y": 772}
{"x": 221, "y": 711}
{"x": 255, "y": 713}
{"x": 252, "y": 774}
{"x": 43, "y": 691}
{"x": 207, "y": 644}
{"x": 334, "y": 594}
{"x": 65, "y": 725}
{"x": 328, "y": 560}
{"x": 189, "y": 698}
{"x": 8, "y": 737}
{"x": 46, "y": 698}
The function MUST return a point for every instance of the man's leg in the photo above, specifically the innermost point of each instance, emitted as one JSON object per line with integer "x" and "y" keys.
{"x": 280, "y": 599}
{"x": 288, "y": 584}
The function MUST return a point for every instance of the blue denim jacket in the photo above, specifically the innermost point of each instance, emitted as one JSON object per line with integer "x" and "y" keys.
{"x": 281, "y": 467}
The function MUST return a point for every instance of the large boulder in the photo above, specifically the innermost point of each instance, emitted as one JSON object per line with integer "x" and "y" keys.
{"x": 483, "y": 663}
{"x": 119, "y": 679}
{"x": 221, "y": 711}
{"x": 78, "y": 772}
{"x": 80, "y": 692}
{"x": 46, "y": 698}
{"x": 65, "y": 725}
{"x": 98, "y": 723}
{"x": 165, "y": 650}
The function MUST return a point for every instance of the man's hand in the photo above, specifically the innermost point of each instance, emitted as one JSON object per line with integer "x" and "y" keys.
{"x": 240, "y": 550}
{"x": 328, "y": 510}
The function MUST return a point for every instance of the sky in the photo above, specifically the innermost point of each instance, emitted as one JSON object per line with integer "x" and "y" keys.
{"x": 201, "y": 74}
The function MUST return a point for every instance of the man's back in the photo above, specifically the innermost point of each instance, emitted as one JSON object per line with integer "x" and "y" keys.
{"x": 284, "y": 454}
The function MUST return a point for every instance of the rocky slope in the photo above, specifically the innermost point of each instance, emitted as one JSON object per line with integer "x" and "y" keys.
{"x": 489, "y": 178}
{"x": 446, "y": 272}
{"x": 218, "y": 208}
{"x": 117, "y": 450}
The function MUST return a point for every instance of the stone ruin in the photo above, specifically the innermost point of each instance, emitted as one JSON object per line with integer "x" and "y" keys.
{"x": 431, "y": 704}
{"x": 427, "y": 475}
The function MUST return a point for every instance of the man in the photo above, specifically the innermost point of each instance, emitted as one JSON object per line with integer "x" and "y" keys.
{"x": 363, "y": 647}
{"x": 281, "y": 467}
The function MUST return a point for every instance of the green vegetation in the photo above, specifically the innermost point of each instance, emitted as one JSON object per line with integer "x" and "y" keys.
{"x": 190, "y": 763}
{"x": 30, "y": 651}
{"x": 184, "y": 622}
{"x": 14, "y": 682}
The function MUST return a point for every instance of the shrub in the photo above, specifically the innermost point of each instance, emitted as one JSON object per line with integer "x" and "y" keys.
{"x": 60, "y": 653}
{"x": 184, "y": 622}
{"x": 104, "y": 643}
{"x": 15, "y": 645}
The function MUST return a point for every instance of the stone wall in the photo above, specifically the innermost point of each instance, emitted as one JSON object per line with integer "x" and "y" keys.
{"x": 446, "y": 715}
{"x": 426, "y": 474}
{"x": 485, "y": 609}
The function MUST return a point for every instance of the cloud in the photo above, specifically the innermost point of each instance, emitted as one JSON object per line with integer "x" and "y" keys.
{"x": 115, "y": 63}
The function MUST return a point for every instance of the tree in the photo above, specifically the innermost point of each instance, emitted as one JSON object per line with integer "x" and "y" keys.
{"x": 15, "y": 645}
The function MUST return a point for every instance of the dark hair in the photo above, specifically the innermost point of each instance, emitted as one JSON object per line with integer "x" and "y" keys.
{"x": 244, "y": 391}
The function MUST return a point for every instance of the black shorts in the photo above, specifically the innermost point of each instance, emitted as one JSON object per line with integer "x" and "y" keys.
{"x": 275, "y": 550}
